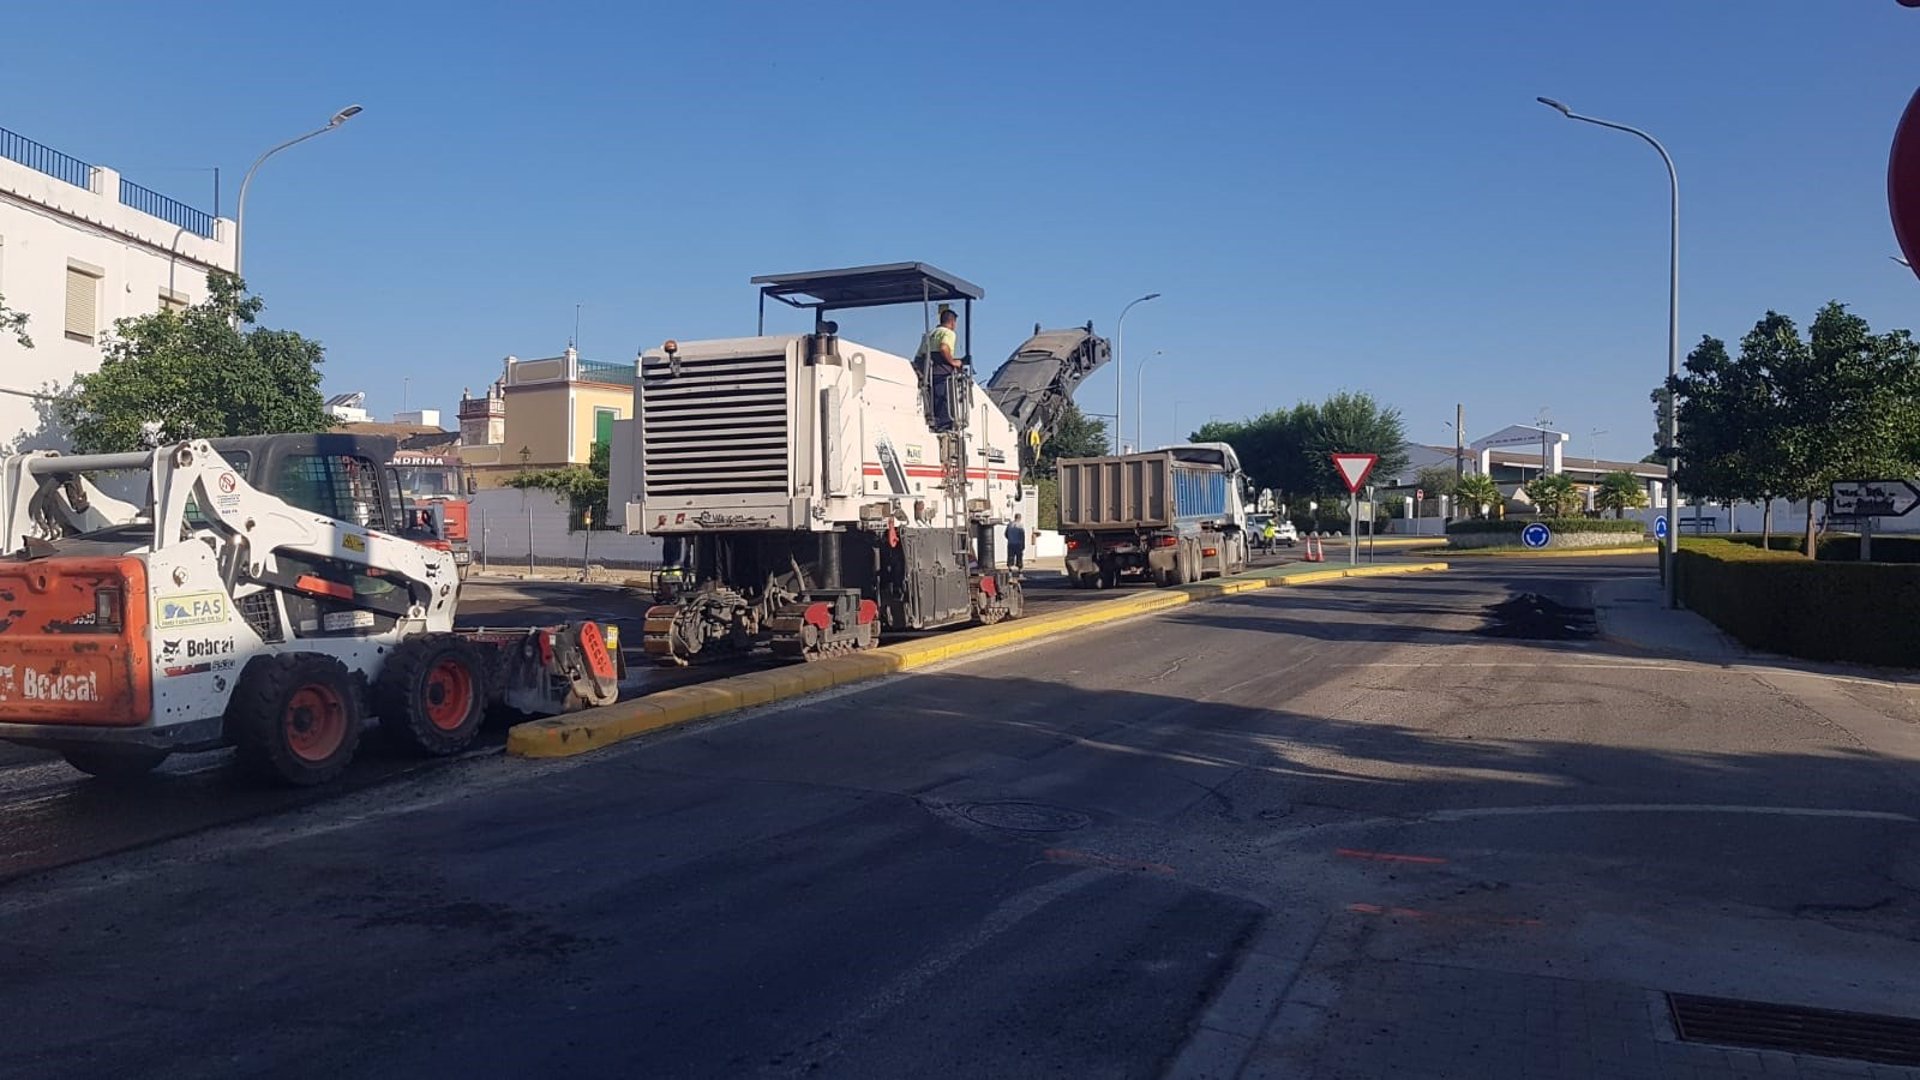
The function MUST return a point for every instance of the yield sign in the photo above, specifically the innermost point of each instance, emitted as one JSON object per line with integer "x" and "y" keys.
{"x": 1354, "y": 469}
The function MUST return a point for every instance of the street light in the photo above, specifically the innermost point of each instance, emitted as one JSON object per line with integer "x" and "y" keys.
{"x": 1139, "y": 377}
{"x": 240, "y": 212}
{"x": 1120, "y": 367}
{"x": 1672, "y": 547}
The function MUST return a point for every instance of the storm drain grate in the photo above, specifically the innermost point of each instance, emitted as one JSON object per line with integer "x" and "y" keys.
{"x": 1886, "y": 1040}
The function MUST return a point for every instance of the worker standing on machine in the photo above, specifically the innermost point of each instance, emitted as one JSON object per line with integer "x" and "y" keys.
{"x": 938, "y": 356}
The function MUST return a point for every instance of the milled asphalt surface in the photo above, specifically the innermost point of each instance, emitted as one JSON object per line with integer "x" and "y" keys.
{"x": 55, "y": 815}
{"x": 1337, "y": 831}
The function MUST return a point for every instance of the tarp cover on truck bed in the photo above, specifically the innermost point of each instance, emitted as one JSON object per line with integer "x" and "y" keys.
{"x": 1037, "y": 382}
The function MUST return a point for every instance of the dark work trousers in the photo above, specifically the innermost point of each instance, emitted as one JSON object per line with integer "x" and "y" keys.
{"x": 940, "y": 395}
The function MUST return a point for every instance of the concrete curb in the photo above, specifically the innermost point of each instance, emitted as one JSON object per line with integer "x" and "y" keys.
{"x": 578, "y": 733}
{"x": 1554, "y": 553}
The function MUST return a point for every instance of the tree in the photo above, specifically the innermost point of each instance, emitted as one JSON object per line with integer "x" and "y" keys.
{"x": 1553, "y": 495}
{"x": 1076, "y": 435}
{"x": 1290, "y": 450}
{"x": 15, "y": 323}
{"x": 194, "y": 373}
{"x": 1478, "y": 491}
{"x": 1620, "y": 492}
{"x": 1436, "y": 480}
{"x": 583, "y": 486}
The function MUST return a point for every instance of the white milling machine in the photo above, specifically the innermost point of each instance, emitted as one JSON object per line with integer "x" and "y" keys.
{"x": 805, "y": 499}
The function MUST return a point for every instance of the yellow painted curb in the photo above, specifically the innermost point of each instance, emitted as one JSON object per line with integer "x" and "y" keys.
{"x": 1555, "y": 553}
{"x": 578, "y": 733}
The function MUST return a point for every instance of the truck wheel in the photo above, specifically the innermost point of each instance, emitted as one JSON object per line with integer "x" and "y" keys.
{"x": 296, "y": 718}
{"x": 1109, "y": 576}
{"x": 1182, "y": 565}
{"x": 432, "y": 694}
{"x": 1090, "y": 580}
{"x": 127, "y": 764}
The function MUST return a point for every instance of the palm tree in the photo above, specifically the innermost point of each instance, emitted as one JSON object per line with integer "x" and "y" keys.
{"x": 1620, "y": 492}
{"x": 1553, "y": 494}
{"x": 1478, "y": 492}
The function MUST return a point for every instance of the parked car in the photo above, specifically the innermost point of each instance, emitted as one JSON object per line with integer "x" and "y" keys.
{"x": 1283, "y": 531}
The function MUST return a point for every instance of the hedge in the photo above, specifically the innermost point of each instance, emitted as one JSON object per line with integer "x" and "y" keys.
{"x": 1843, "y": 548}
{"x": 1787, "y": 603}
{"x": 1569, "y": 525}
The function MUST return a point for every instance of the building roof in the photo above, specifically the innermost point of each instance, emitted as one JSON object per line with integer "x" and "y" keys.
{"x": 423, "y": 437}
{"x": 1425, "y": 456}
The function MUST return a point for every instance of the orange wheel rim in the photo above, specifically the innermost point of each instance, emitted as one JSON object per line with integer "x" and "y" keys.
{"x": 316, "y": 722}
{"x": 449, "y": 692}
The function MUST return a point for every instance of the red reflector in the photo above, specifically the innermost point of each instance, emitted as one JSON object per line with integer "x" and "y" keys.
{"x": 1073, "y": 545}
{"x": 1209, "y": 552}
{"x": 1166, "y": 541}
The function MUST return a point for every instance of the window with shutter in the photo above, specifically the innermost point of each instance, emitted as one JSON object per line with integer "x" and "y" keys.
{"x": 83, "y": 305}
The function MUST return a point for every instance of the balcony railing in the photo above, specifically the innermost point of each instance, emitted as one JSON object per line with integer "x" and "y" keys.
{"x": 45, "y": 159}
{"x": 606, "y": 371}
{"x": 198, "y": 222}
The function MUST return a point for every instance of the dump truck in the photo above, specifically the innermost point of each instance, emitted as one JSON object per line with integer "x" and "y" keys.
{"x": 435, "y": 490}
{"x": 255, "y": 592}
{"x": 1173, "y": 515}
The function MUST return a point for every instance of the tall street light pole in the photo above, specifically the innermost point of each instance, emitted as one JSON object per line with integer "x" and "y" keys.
{"x": 1139, "y": 383}
{"x": 240, "y": 212}
{"x": 1120, "y": 368}
{"x": 1672, "y": 546}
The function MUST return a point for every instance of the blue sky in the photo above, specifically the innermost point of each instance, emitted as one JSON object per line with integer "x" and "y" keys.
{"x": 1337, "y": 195}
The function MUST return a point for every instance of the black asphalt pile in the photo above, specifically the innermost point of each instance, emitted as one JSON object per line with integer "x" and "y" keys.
{"x": 1538, "y": 618}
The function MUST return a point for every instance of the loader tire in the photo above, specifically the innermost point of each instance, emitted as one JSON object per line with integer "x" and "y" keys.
{"x": 296, "y": 718}
{"x": 114, "y": 765}
{"x": 432, "y": 694}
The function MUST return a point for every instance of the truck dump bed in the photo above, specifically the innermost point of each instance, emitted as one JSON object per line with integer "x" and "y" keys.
{"x": 1139, "y": 492}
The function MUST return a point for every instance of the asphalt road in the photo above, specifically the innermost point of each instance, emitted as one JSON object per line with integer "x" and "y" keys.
{"x": 55, "y": 816}
{"x": 1329, "y": 823}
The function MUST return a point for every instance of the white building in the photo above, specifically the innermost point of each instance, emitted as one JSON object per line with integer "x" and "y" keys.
{"x": 80, "y": 248}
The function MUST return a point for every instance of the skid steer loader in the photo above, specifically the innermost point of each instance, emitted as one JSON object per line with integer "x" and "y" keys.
{"x": 255, "y": 592}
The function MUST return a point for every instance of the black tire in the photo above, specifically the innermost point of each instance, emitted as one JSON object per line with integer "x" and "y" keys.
{"x": 1109, "y": 577}
{"x": 1168, "y": 577}
{"x": 296, "y": 718}
{"x": 115, "y": 764}
{"x": 432, "y": 694}
{"x": 1182, "y": 565}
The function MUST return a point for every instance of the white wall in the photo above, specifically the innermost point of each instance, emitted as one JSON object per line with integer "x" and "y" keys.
{"x": 45, "y": 223}
{"x": 501, "y": 518}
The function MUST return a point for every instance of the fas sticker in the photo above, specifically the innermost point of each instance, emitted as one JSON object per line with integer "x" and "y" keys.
{"x": 192, "y": 609}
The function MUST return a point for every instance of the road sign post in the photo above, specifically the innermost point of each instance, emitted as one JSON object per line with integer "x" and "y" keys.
{"x": 1353, "y": 469}
{"x": 1865, "y": 500}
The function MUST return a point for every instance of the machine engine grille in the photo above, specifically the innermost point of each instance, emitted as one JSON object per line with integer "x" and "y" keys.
{"x": 719, "y": 427}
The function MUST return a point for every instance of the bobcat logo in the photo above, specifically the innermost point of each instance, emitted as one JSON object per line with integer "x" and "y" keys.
{"x": 169, "y": 650}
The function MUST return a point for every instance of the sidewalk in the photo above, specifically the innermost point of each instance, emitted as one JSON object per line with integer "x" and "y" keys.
{"x": 1633, "y": 612}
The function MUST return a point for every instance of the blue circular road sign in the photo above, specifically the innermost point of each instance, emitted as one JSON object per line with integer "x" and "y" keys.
{"x": 1660, "y": 527}
{"x": 1536, "y": 535}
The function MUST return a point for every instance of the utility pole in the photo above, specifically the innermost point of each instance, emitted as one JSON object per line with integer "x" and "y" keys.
{"x": 1459, "y": 443}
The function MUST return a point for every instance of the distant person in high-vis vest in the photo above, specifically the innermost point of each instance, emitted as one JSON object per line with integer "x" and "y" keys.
{"x": 940, "y": 355}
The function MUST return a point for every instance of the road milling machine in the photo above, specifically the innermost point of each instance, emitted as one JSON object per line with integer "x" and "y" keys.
{"x": 808, "y": 497}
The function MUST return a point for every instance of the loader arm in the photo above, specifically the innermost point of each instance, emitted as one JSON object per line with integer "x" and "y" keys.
{"x": 259, "y": 529}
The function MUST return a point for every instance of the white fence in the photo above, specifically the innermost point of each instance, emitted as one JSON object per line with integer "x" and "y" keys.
{"x": 505, "y": 522}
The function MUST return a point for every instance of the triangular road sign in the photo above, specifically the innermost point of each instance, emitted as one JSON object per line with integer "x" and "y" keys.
{"x": 1354, "y": 469}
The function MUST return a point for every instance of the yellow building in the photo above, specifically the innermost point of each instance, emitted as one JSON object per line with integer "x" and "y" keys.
{"x": 543, "y": 414}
